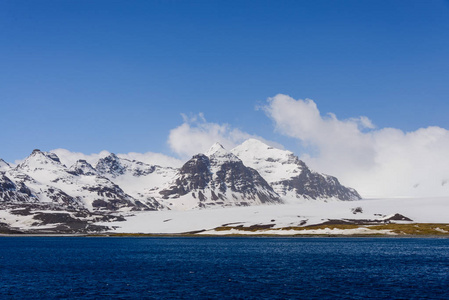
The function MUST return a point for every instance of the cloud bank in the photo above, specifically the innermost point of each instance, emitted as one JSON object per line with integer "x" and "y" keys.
{"x": 196, "y": 135}
{"x": 378, "y": 162}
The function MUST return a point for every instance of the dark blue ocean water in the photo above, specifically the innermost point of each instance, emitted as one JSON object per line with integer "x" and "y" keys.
{"x": 223, "y": 268}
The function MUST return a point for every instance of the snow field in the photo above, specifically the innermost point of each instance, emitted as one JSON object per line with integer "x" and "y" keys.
{"x": 420, "y": 210}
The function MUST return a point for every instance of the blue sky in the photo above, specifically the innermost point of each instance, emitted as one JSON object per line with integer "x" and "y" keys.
{"x": 117, "y": 75}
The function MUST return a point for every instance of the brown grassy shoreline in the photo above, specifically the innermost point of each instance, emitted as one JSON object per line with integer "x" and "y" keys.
{"x": 395, "y": 230}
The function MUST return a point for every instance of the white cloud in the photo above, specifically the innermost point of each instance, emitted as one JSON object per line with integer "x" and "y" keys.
{"x": 377, "y": 162}
{"x": 196, "y": 135}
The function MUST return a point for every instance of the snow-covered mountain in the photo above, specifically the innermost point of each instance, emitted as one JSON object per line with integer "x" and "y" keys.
{"x": 78, "y": 187}
{"x": 251, "y": 174}
{"x": 217, "y": 178}
{"x": 42, "y": 189}
{"x": 289, "y": 176}
{"x": 136, "y": 178}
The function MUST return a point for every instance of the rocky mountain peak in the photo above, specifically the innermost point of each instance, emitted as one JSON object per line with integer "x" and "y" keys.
{"x": 194, "y": 175}
{"x": 216, "y": 149}
{"x": 218, "y": 154}
{"x": 113, "y": 166}
{"x": 46, "y": 155}
{"x": 110, "y": 164}
{"x": 82, "y": 167}
{"x": 41, "y": 160}
{"x": 217, "y": 178}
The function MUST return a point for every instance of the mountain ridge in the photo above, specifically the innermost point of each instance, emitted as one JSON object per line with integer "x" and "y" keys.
{"x": 252, "y": 173}
{"x": 289, "y": 176}
{"x": 218, "y": 177}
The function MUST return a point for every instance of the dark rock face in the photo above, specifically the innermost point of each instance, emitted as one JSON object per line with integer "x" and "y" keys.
{"x": 116, "y": 198}
{"x": 114, "y": 166}
{"x": 82, "y": 167}
{"x": 110, "y": 165}
{"x": 53, "y": 157}
{"x": 315, "y": 185}
{"x": 398, "y": 217}
{"x": 141, "y": 169}
{"x": 240, "y": 179}
{"x": 392, "y": 219}
{"x": 59, "y": 197}
{"x": 194, "y": 175}
{"x": 6, "y": 185}
{"x": 10, "y": 192}
{"x": 214, "y": 180}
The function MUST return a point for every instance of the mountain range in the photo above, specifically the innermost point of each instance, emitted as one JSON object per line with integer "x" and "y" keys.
{"x": 253, "y": 173}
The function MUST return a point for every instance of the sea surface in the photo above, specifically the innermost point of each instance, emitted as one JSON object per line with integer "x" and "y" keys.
{"x": 223, "y": 268}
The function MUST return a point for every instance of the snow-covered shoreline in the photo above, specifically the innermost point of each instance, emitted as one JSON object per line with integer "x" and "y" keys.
{"x": 423, "y": 216}
{"x": 419, "y": 210}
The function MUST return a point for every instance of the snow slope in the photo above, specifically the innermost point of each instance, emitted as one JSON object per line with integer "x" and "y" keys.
{"x": 420, "y": 210}
{"x": 4, "y": 166}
